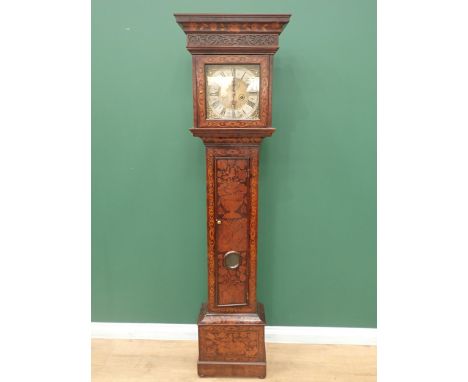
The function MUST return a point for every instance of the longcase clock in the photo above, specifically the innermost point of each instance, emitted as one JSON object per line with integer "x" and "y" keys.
{"x": 232, "y": 58}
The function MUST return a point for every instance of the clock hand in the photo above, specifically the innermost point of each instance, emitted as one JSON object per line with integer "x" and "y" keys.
{"x": 234, "y": 89}
{"x": 240, "y": 80}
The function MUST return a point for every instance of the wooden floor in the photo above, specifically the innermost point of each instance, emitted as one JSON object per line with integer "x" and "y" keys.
{"x": 174, "y": 361}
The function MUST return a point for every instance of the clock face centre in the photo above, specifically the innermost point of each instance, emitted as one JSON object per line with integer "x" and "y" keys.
{"x": 234, "y": 96}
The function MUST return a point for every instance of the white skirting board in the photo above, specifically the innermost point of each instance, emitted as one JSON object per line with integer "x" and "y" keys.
{"x": 278, "y": 334}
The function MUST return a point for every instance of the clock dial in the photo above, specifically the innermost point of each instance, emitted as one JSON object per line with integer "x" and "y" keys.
{"x": 232, "y": 92}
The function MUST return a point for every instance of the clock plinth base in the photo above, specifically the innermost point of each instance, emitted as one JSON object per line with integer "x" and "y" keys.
{"x": 232, "y": 369}
{"x": 231, "y": 344}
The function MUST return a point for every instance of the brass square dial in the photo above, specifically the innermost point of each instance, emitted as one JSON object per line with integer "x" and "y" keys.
{"x": 232, "y": 92}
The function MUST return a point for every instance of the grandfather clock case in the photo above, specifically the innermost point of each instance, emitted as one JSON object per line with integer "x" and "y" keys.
{"x": 232, "y": 57}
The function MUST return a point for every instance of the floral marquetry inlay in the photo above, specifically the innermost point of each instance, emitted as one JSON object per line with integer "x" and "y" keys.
{"x": 232, "y": 208}
{"x": 211, "y": 109}
{"x": 232, "y": 177}
{"x": 232, "y": 201}
{"x": 230, "y": 343}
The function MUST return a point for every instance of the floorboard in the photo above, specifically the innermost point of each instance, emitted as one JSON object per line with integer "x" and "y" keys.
{"x": 174, "y": 361}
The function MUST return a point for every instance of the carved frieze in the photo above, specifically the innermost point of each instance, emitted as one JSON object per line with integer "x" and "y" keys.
{"x": 230, "y": 40}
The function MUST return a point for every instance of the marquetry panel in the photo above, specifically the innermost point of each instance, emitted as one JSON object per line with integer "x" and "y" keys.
{"x": 232, "y": 174}
{"x": 232, "y": 216}
{"x": 231, "y": 343}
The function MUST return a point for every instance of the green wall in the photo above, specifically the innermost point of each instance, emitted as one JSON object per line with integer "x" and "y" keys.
{"x": 317, "y": 223}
